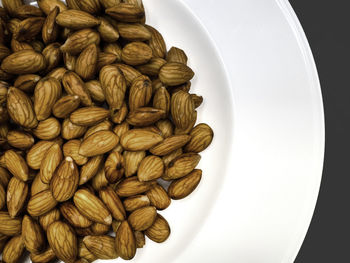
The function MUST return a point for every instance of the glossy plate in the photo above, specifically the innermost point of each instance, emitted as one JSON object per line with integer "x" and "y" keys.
{"x": 262, "y": 173}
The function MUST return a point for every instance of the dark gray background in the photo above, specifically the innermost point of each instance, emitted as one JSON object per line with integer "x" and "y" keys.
{"x": 327, "y": 26}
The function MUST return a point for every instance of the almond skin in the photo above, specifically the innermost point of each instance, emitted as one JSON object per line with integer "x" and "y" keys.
{"x": 79, "y": 40}
{"x": 50, "y": 217}
{"x": 50, "y": 28}
{"x": 140, "y": 92}
{"x": 86, "y": 64}
{"x": 13, "y": 250}
{"x": 136, "y": 53}
{"x": 88, "y": 116}
{"x": 101, "y": 246}
{"x": 145, "y": 116}
{"x": 113, "y": 203}
{"x": 181, "y": 166}
{"x": 158, "y": 197}
{"x": 63, "y": 241}
{"x": 170, "y": 144}
{"x": 74, "y": 85}
{"x": 65, "y": 106}
{"x": 37, "y": 153}
{"x": 27, "y": 82}
{"x": 46, "y": 256}
{"x": 38, "y": 186}
{"x": 73, "y": 216}
{"x": 71, "y": 149}
{"x": 173, "y": 74}
{"x": 2, "y": 197}
{"x": 139, "y": 140}
{"x": 125, "y": 242}
{"x": 114, "y": 167}
{"x": 20, "y": 140}
{"x": 76, "y": 19}
{"x": 135, "y": 202}
{"x": 201, "y": 137}
{"x": 17, "y": 165}
{"x": 183, "y": 187}
{"x": 99, "y": 143}
{"x": 41, "y": 203}
{"x": 17, "y": 193}
{"x": 72, "y": 131}
{"x": 48, "y": 129}
{"x": 151, "y": 168}
{"x": 20, "y": 108}
{"x": 126, "y": 12}
{"x": 9, "y": 226}
{"x": 157, "y": 43}
{"x": 92, "y": 207}
{"x": 159, "y": 231}
{"x": 65, "y": 180}
{"x": 90, "y": 169}
{"x": 142, "y": 218}
{"x": 132, "y": 161}
{"x": 33, "y": 236}
{"x": 132, "y": 186}
{"x": 23, "y": 62}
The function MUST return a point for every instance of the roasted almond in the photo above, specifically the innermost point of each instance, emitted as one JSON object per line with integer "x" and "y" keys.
{"x": 41, "y": 203}
{"x": 74, "y": 85}
{"x": 102, "y": 126}
{"x": 13, "y": 250}
{"x": 114, "y": 167}
{"x": 114, "y": 86}
{"x": 159, "y": 231}
{"x": 38, "y": 186}
{"x": 140, "y": 239}
{"x": 17, "y": 165}
{"x": 27, "y": 82}
{"x": 9, "y": 226}
{"x": 48, "y": 5}
{"x": 79, "y": 40}
{"x": 105, "y": 59}
{"x": 64, "y": 183}
{"x": 157, "y": 43}
{"x": 151, "y": 168}
{"x": 20, "y": 140}
{"x": 142, "y": 218}
{"x": 118, "y": 116}
{"x": 47, "y": 92}
{"x": 26, "y": 11}
{"x": 132, "y": 186}
{"x": 90, "y": 6}
{"x": 28, "y": 28}
{"x": 126, "y": 12}
{"x": 181, "y": 166}
{"x": 125, "y": 242}
{"x": 173, "y": 74}
{"x": 86, "y": 64}
{"x": 57, "y": 73}
{"x": 177, "y": 55}
{"x": 11, "y": 5}
{"x": 139, "y": 140}
{"x": 50, "y": 162}
{"x": 48, "y": 129}
{"x": 92, "y": 207}
{"x": 95, "y": 89}
{"x": 158, "y": 197}
{"x": 4, "y": 52}
{"x": 50, "y": 217}
{"x": 161, "y": 100}
{"x": 65, "y": 106}
{"x": 19, "y": 46}
{"x": 32, "y": 235}
{"x": 140, "y": 92}
{"x": 170, "y": 144}
{"x": 50, "y": 28}
{"x": 134, "y": 32}
{"x": 17, "y": 193}
{"x": 183, "y": 187}
{"x": 23, "y": 62}
{"x": 84, "y": 253}
{"x": 90, "y": 169}
{"x": 71, "y": 149}
{"x": 66, "y": 249}
{"x": 113, "y": 203}
{"x": 37, "y": 153}
{"x": 135, "y": 202}
{"x": 45, "y": 257}
{"x": 201, "y": 137}
{"x": 73, "y": 216}
{"x": 88, "y": 116}
{"x": 132, "y": 161}
{"x": 109, "y": 3}
{"x": 98, "y": 143}
{"x": 2, "y": 196}
{"x": 72, "y": 131}
{"x": 20, "y": 108}
{"x": 182, "y": 109}
{"x": 166, "y": 127}
{"x": 113, "y": 48}
{"x": 100, "y": 229}
{"x": 129, "y": 73}
{"x": 101, "y": 246}
{"x": 136, "y": 53}
{"x": 197, "y": 100}
{"x": 99, "y": 181}
{"x": 76, "y": 19}
{"x": 53, "y": 56}
{"x": 107, "y": 31}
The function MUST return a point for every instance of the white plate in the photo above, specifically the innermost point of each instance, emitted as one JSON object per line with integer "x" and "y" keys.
{"x": 262, "y": 173}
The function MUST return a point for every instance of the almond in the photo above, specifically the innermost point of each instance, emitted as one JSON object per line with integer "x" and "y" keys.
{"x": 140, "y": 239}
{"x": 177, "y": 55}
{"x": 113, "y": 48}
{"x": 23, "y": 62}
{"x": 166, "y": 127}
{"x": 71, "y": 130}
{"x": 92, "y": 207}
{"x": 71, "y": 149}
{"x": 48, "y": 218}
{"x": 170, "y": 144}
{"x": 63, "y": 241}
{"x": 142, "y": 218}
{"x": 132, "y": 186}
{"x": 181, "y": 166}
{"x": 113, "y": 203}
{"x": 139, "y": 140}
{"x": 151, "y": 168}
{"x": 129, "y": 73}
{"x": 126, "y": 12}
{"x": 79, "y": 40}
{"x": 28, "y": 28}
{"x": 197, "y": 100}
{"x": 74, "y": 85}
{"x": 88, "y": 116}
{"x": 102, "y": 126}
{"x": 134, "y": 32}
{"x": 27, "y": 82}
{"x": 9, "y": 226}
{"x": 132, "y": 161}
{"x": 173, "y": 74}
{"x": 183, "y": 187}
{"x": 161, "y": 100}
{"x": 53, "y": 56}
{"x": 90, "y": 6}
{"x": 101, "y": 246}
{"x": 159, "y": 231}
{"x": 13, "y": 250}
{"x": 157, "y": 43}
{"x": 90, "y": 169}
{"x": 108, "y": 33}
{"x": 109, "y": 3}
{"x": 17, "y": 165}
{"x": 118, "y": 116}
{"x": 95, "y": 89}
{"x": 17, "y": 193}
{"x": 26, "y": 11}
{"x": 11, "y": 5}
{"x": 65, "y": 106}
{"x": 136, "y": 202}
{"x": 86, "y": 63}
{"x": 76, "y": 19}
{"x": 47, "y": 256}
{"x": 48, "y": 5}
{"x": 48, "y": 129}
{"x": 113, "y": 85}
{"x": 41, "y": 203}
{"x": 65, "y": 180}
{"x": 50, "y": 162}
{"x": 32, "y": 235}
{"x": 125, "y": 242}
{"x": 46, "y": 93}
{"x": 38, "y": 186}
{"x": 99, "y": 143}
{"x": 36, "y": 154}
{"x": 20, "y": 108}
{"x": 20, "y": 140}
{"x": 73, "y": 216}
{"x": 136, "y": 53}
{"x": 99, "y": 181}
{"x": 2, "y": 197}
{"x": 50, "y": 28}
{"x": 100, "y": 229}
{"x": 182, "y": 109}
{"x": 140, "y": 92}
{"x": 158, "y": 197}
{"x": 114, "y": 167}
{"x": 84, "y": 253}
{"x": 202, "y": 136}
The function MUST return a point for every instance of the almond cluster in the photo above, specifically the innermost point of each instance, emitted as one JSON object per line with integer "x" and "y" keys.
{"x": 97, "y": 130}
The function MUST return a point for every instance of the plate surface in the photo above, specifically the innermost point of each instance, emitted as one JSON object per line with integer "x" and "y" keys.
{"x": 262, "y": 173}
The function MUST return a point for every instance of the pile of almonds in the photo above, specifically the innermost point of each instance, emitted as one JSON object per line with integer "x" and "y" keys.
{"x": 97, "y": 130}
